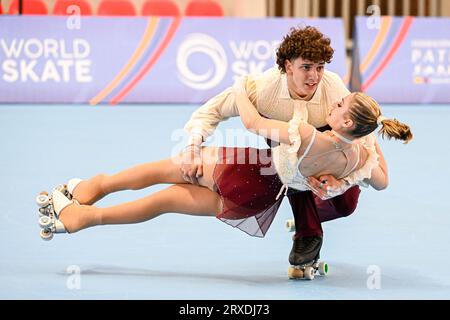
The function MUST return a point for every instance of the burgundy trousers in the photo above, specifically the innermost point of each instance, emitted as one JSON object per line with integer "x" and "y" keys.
{"x": 310, "y": 211}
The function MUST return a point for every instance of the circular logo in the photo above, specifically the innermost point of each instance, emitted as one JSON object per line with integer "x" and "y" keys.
{"x": 201, "y": 45}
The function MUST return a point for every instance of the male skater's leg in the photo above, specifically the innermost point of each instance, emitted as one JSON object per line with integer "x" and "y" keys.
{"x": 307, "y": 240}
{"x": 338, "y": 207}
{"x": 309, "y": 212}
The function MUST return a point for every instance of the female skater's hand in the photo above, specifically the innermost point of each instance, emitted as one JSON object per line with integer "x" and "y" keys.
{"x": 191, "y": 165}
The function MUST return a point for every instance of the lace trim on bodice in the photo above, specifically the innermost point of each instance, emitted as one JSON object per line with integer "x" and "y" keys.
{"x": 357, "y": 177}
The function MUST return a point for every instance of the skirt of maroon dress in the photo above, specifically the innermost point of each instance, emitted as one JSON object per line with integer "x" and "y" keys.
{"x": 248, "y": 184}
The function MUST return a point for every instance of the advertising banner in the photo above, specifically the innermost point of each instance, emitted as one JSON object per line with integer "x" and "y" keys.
{"x": 51, "y": 59}
{"x": 402, "y": 59}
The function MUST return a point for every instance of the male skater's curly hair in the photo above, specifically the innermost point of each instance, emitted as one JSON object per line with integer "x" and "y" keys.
{"x": 365, "y": 113}
{"x": 307, "y": 43}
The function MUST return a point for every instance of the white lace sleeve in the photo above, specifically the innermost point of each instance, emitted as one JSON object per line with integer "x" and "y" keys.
{"x": 291, "y": 150}
{"x": 294, "y": 134}
{"x": 365, "y": 172}
{"x": 285, "y": 156}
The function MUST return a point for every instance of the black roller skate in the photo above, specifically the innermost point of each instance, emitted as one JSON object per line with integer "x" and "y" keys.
{"x": 304, "y": 257}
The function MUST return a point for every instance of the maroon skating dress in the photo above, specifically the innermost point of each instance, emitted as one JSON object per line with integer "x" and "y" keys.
{"x": 248, "y": 184}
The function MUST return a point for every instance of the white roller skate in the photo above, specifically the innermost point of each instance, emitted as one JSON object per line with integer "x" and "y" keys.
{"x": 50, "y": 207}
{"x": 71, "y": 185}
{"x": 309, "y": 269}
{"x": 43, "y": 198}
{"x": 44, "y": 201}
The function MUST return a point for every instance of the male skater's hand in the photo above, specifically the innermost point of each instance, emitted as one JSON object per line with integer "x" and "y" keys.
{"x": 327, "y": 186}
{"x": 191, "y": 165}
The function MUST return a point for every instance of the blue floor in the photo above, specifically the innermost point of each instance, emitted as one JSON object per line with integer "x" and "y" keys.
{"x": 395, "y": 246}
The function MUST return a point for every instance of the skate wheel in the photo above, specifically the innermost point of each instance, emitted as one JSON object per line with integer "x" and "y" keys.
{"x": 323, "y": 268}
{"x": 46, "y": 235}
{"x": 295, "y": 273}
{"x": 309, "y": 273}
{"x": 42, "y": 200}
{"x": 290, "y": 225}
{"x": 45, "y": 222}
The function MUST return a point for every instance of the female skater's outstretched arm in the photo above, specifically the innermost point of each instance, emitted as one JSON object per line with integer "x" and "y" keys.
{"x": 275, "y": 130}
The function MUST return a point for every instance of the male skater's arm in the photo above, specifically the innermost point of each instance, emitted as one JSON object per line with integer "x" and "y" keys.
{"x": 203, "y": 123}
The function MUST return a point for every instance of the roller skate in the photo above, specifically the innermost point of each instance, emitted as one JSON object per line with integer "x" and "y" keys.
{"x": 96, "y": 195}
{"x": 70, "y": 186}
{"x": 308, "y": 270}
{"x": 49, "y": 208}
{"x": 42, "y": 199}
{"x": 304, "y": 256}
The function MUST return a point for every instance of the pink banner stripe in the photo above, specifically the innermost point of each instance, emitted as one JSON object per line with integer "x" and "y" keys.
{"x": 402, "y": 35}
{"x": 153, "y": 59}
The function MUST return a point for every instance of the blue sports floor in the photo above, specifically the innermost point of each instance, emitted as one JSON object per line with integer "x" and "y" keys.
{"x": 395, "y": 246}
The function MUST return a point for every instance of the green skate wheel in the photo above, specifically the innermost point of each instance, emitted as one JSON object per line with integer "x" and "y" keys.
{"x": 323, "y": 268}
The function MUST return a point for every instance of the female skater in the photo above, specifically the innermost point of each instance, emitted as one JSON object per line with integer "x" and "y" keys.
{"x": 241, "y": 186}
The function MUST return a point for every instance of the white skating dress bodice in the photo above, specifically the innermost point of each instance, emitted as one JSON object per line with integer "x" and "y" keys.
{"x": 287, "y": 162}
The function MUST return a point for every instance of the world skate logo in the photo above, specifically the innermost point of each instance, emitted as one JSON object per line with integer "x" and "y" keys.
{"x": 201, "y": 62}
{"x": 35, "y": 60}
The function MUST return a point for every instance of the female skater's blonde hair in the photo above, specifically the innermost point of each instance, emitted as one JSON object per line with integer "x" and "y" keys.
{"x": 366, "y": 114}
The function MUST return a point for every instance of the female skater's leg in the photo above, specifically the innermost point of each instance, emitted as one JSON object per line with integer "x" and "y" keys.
{"x": 142, "y": 176}
{"x": 180, "y": 198}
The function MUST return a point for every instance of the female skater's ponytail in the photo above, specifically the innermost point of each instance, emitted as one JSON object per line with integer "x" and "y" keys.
{"x": 392, "y": 128}
{"x": 366, "y": 114}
